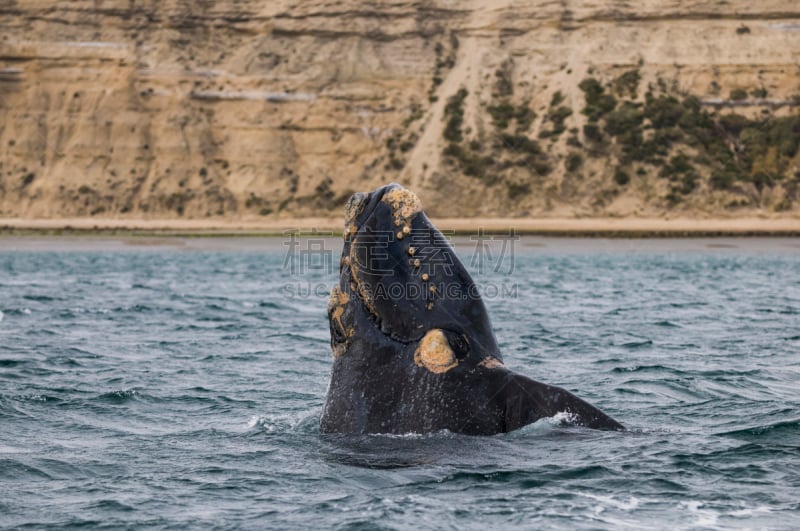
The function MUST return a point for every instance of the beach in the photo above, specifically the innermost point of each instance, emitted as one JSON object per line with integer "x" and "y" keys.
{"x": 584, "y": 227}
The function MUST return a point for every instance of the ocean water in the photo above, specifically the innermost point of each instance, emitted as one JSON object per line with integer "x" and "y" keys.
{"x": 177, "y": 383}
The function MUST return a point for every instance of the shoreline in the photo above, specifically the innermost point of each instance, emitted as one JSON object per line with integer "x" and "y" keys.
{"x": 562, "y": 227}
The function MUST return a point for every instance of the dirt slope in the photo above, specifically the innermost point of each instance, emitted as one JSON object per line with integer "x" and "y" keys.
{"x": 244, "y": 110}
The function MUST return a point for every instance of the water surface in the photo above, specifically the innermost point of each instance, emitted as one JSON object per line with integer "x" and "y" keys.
{"x": 178, "y": 382}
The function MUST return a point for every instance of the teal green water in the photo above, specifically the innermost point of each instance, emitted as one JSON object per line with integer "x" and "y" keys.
{"x": 163, "y": 387}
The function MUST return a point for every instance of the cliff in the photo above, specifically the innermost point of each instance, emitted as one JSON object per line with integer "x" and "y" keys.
{"x": 241, "y": 109}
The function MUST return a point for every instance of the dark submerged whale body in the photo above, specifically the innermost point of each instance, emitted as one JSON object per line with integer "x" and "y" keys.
{"x": 413, "y": 347}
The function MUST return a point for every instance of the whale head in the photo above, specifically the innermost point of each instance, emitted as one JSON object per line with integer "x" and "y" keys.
{"x": 400, "y": 276}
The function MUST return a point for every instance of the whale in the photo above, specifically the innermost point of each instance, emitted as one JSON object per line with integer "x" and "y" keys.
{"x": 412, "y": 344}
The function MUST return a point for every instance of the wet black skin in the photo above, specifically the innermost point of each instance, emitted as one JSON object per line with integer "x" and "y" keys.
{"x": 376, "y": 386}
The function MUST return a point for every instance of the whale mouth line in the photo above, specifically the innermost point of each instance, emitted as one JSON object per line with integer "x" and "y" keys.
{"x": 361, "y": 207}
{"x": 373, "y": 313}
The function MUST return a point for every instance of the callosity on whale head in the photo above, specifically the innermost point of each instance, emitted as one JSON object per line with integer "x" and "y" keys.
{"x": 412, "y": 343}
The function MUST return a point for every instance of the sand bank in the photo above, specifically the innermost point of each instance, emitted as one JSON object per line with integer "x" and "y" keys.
{"x": 601, "y": 227}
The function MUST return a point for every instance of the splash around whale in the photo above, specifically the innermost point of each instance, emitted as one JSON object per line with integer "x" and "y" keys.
{"x": 412, "y": 343}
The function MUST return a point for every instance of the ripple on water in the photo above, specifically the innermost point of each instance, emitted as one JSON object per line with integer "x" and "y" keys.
{"x": 782, "y": 432}
{"x": 120, "y": 396}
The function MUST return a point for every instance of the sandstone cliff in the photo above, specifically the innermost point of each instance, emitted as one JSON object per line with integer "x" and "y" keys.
{"x": 243, "y": 109}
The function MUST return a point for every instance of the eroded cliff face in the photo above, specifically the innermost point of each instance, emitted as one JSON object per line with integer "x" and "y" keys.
{"x": 243, "y": 109}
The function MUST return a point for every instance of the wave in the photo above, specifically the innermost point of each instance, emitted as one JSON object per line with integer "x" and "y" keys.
{"x": 120, "y": 396}
{"x": 667, "y": 324}
{"x": 13, "y": 470}
{"x": 783, "y": 432}
{"x": 647, "y": 368}
{"x": 42, "y": 298}
{"x": 633, "y": 345}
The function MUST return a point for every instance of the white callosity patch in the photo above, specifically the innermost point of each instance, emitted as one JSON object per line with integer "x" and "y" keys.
{"x": 434, "y": 353}
{"x": 336, "y": 304}
{"x": 351, "y": 210}
{"x": 491, "y": 362}
{"x": 405, "y": 205}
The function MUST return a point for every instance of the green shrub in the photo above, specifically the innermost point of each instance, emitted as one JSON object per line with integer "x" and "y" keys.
{"x": 688, "y": 183}
{"x": 395, "y": 163}
{"x": 517, "y": 189}
{"x": 592, "y": 132}
{"x": 573, "y": 141}
{"x": 471, "y": 163}
{"x": 504, "y": 85}
{"x": 407, "y": 145}
{"x": 628, "y": 83}
{"x": 501, "y": 114}
{"x": 454, "y": 113}
{"x": 574, "y": 161}
{"x": 600, "y": 108}
{"x": 557, "y": 117}
{"x": 733, "y": 123}
{"x": 520, "y": 144}
{"x": 621, "y": 177}
{"x": 762, "y": 180}
{"x": 541, "y": 167}
{"x": 632, "y": 143}
{"x": 453, "y": 150}
{"x": 413, "y": 117}
{"x": 597, "y": 103}
{"x": 678, "y": 164}
{"x": 476, "y": 166}
{"x": 738, "y": 94}
{"x": 722, "y": 180}
{"x": 560, "y": 114}
{"x": 785, "y": 133}
{"x": 664, "y": 111}
{"x": 525, "y": 117}
{"x": 628, "y": 117}
{"x": 591, "y": 88}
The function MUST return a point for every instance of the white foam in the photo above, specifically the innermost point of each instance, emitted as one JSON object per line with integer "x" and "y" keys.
{"x": 631, "y": 504}
{"x": 13, "y": 450}
{"x": 281, "y": 423}
{"x": 750, "y": 512}
{"x": 705, "y": 517}
{"x": 562, "y": 417}
{"x": 1, "y": 316}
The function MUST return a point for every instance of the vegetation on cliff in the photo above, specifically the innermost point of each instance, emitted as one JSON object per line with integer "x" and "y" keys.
{"x": 668, "y": 136}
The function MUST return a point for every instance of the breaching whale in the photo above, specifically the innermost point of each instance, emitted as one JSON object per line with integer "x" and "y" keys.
{"x": 413, "y": 347}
